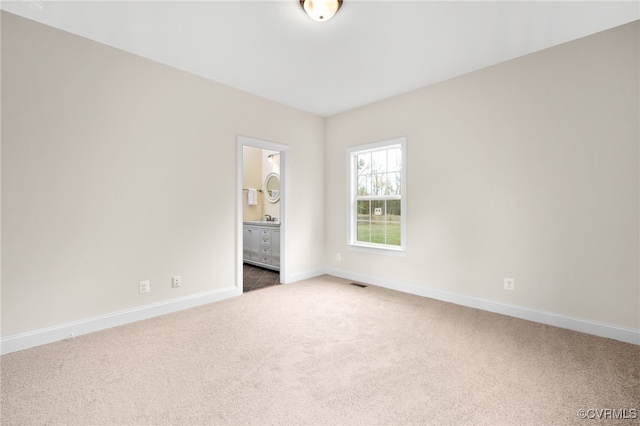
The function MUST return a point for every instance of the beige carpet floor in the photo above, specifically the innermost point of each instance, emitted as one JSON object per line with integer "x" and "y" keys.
{"x": 324, "y": 352}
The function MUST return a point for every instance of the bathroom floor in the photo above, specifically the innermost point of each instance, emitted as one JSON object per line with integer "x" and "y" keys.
{"x": 254, "y": 277}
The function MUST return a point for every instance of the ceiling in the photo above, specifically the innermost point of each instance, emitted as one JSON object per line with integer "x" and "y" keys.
{"x": 370, "y": 50}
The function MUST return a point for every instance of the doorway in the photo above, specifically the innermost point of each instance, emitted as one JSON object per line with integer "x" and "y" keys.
{"x": 261, "y": 208}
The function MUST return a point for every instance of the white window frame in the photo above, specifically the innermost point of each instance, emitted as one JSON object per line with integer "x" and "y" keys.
{"x": 352, "y": 242}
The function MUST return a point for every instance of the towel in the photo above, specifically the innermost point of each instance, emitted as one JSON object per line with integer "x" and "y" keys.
{"x": 252, "y": 197}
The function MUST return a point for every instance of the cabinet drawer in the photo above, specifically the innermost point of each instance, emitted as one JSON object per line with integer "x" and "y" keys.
{"x": 265, "y": 251}
{"x": 265, "y": 233}
{"x": 251, "y": 256}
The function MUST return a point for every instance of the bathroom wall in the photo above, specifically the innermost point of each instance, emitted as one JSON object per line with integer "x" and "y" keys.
{"x": 252, "y": 159}
{"x": 268, "y": 166}
{"x": 256, "y": 167}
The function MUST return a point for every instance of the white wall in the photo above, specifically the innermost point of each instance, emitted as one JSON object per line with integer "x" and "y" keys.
{"x": 528, "y": 169}
{"x": 116, "y": 169}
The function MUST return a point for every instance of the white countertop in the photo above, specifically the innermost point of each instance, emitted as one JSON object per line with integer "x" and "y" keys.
{"x": 261, "y": 223}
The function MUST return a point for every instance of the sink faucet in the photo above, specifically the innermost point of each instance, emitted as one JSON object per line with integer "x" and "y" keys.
{"x": 268, "y": 217}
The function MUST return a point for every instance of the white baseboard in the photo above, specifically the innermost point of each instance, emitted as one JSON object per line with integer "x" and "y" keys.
{"x": 292, "y": 278}
{"x": 18, "y": 342}
{"x": 30, "y": 339}
{"x": 611, "y": 331}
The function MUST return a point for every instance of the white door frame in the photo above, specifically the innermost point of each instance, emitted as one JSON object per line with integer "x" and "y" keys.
{"x": 284, "y": 202}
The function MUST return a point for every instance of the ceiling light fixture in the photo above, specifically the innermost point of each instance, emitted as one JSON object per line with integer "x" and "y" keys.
{"x": 321, "y": 10}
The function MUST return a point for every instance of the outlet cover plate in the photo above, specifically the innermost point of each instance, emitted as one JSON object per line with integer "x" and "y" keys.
{"x": 176, "y": 281}
{"x": 509, "y": 284}
{"x": 145, "y": 286}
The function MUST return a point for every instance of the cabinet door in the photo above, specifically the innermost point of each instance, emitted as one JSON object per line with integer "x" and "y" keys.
{"x": 251, "y": 239}
{"x": 275, "y": 243}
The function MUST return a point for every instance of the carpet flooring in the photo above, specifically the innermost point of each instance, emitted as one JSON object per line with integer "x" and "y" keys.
{"x": 320, "y": 352}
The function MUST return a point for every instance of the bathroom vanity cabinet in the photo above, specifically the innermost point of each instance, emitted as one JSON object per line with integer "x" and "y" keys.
{"x": 261, "y": 245}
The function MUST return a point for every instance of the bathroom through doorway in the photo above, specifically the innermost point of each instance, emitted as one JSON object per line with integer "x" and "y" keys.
{"x": 261, "y": 253}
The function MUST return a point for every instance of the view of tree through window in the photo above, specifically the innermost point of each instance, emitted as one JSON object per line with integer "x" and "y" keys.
{"x": 378, "y": 195}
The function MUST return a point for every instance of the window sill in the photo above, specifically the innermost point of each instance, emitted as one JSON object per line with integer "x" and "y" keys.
{"x": 388, "y": 251}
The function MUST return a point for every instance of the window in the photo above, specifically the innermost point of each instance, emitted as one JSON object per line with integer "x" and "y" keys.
{"x": 377, "y": 195}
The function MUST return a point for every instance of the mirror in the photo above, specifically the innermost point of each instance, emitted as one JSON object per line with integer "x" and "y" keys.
{"x": 272, "y": 187}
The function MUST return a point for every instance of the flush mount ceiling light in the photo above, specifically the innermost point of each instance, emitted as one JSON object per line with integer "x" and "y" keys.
{"x": 321, "y": 10}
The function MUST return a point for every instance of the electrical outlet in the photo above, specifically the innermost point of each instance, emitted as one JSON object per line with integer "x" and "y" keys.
{"x": 176, "y": 281}
{"x": 145, "y": 286}
{"x": 509, "y": 284}
{"x": 338, "y": 257}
